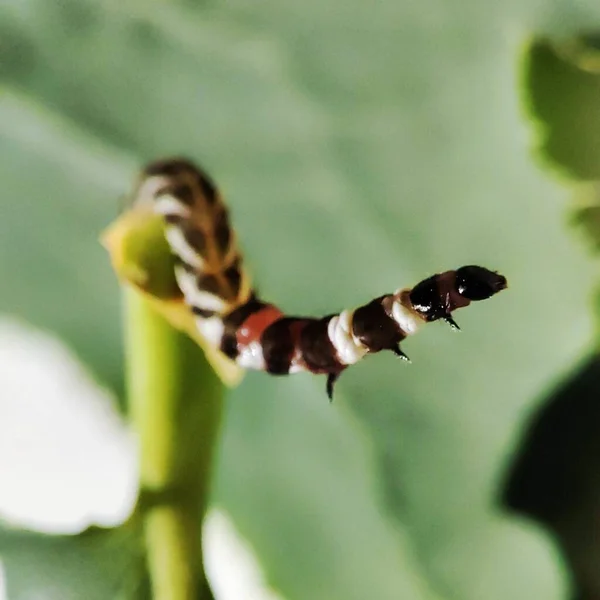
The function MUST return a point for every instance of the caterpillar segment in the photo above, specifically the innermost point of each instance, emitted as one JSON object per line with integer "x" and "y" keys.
{"x": 209, "y": 269}
{"x": 257, "y": 334}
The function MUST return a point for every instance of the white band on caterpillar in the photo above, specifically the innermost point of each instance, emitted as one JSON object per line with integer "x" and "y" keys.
{"x": 169, "y": 205}
{"x": 181, "y": 248}
{"x": 195, "y": 296}
{"x": 251, "y": 356}
{"x": 151, "y": 186}
{"x": 348, "y": 348}
{"x": 211, "y": 329}
{"x": 406, "y": 318}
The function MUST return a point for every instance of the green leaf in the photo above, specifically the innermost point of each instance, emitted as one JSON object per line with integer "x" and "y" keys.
{"x": 563, "y": 95}
{"x": 97, "y": 564}
{"x": 62, "y": 186}
{"x": 362, "y": 147}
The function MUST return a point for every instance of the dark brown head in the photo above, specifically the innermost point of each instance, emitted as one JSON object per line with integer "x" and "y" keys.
{"x": 478, "y": 283}
{"x": 436, "y": 297}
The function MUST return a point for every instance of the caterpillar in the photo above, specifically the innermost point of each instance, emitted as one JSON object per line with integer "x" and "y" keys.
{"x": 256, "y": 334}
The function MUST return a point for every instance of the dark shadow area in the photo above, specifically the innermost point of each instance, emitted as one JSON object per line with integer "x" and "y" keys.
{"x": 556, "y": 477}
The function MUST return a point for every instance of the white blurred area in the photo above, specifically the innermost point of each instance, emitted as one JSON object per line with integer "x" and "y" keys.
{"x": 3, "y": 594}
{"x": 232, "y": 569}
{"x": 68, "y": 461}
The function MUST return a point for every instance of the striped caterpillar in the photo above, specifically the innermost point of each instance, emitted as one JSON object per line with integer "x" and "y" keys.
{"x": 257, "y": 334}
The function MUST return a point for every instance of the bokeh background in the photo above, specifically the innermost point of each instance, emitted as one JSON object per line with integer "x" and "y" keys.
{"x": 361, "y": 147}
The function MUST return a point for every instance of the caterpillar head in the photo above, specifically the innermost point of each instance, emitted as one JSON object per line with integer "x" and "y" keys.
{"x": 478, "y": 283}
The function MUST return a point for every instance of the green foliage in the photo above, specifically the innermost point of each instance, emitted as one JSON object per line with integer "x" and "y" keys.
{"x": 361, "y": 147}
{"x": 98, "y": 565}
{"x": 563, "y": 91}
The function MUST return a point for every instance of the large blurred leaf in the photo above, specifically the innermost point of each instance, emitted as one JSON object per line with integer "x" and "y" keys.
{"x": 362, "y": 147}
{"x": 95, "y": 565}
{"x": 564, "y": 97}
{"x": 60, "y": 185}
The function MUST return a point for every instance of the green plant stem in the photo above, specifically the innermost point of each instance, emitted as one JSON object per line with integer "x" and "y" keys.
{"x": 175, "y": 402}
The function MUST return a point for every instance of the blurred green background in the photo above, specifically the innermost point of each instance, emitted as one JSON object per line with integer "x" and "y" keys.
{"x": 361, "y": 147}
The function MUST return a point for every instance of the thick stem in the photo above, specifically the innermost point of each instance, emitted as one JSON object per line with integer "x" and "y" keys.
{"x": 175, "y": 402}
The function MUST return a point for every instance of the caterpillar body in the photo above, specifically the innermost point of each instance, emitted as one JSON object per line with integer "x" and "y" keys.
{"x": 256, "y": 334}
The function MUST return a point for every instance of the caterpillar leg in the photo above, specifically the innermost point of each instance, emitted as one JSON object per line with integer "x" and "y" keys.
{"x": 398, "y": 352}
{"x": 453, "y": 324}
{"x": 331, "y": 379}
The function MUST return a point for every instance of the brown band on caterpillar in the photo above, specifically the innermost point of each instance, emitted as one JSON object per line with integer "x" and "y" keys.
{"x": 370, "y": 324}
